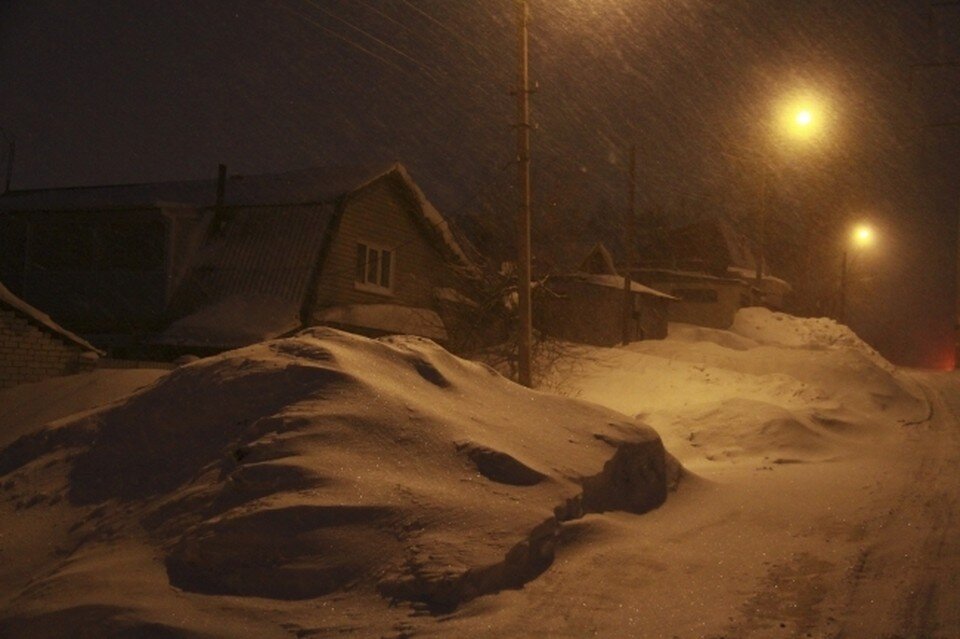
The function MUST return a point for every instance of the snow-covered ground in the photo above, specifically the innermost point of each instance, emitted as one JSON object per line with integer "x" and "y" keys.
{"x": 330, "y": 485}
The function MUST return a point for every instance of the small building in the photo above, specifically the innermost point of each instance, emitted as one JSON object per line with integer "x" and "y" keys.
{"x": 700, "y": 298}
{"x": 204, "y": 266}
{"x": 588, "y": 306}
{"x": 712, "y": 270}
{"x": 34, "y": 347}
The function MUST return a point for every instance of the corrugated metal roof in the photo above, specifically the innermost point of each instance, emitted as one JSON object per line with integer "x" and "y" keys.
{"x": 318, "y": 184}
{"x": 260, "y": 253}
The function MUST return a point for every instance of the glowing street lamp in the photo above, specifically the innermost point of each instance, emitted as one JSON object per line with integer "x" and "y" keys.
{"x": 801, "y": 118}
{"x": 861, "y": 237}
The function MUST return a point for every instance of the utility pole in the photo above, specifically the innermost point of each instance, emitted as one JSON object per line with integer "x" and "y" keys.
{"x": 630, "y": 257}
{"x": 525, "y": 332}
{"x": 762, "y": 228}
{"x": 11, "y": 149}
{"x": 842, "y": 310}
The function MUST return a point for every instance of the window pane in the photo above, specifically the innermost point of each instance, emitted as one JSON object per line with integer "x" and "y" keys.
{"x": 373, "y": 265}
{"x": 361, "y": 263}
{"x": 386, "y": 262}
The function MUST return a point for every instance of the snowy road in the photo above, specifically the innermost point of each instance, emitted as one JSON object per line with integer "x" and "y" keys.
{"x": 864, "y": 546}
{"x": 906, "y": 581}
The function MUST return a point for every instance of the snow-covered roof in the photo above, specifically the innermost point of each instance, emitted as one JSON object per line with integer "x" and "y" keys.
{"x": 42, "y": 320}
{"x": 324, "y": 185}
{"x": 690, "y": 276}
{"x": 615, "y": 281}
{"x": 261, "y": 254}
{"x": 233, "y": 321}
{"x": 439, "y": 225}
{"x": 386, "y": 318}
{"x": 781, "y": 286}
{"x": 317, "y": 184}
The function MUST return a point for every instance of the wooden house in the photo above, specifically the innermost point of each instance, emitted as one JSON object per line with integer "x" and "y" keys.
{"x": 206, "y": 266}
{"x": 588, "y": 306}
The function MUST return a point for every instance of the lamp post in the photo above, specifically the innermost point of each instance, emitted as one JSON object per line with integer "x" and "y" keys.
{"x": 797, "y": 119}
{"x": 861, "y": 238}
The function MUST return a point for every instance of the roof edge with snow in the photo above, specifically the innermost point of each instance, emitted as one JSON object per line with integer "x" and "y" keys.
{"x": 43, "y": 321}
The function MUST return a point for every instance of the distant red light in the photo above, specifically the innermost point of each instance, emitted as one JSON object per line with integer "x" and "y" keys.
{"x": 947, "y": 360}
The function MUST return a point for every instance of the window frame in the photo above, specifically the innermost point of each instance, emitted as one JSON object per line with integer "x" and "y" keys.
{"x": 366, "y": 284}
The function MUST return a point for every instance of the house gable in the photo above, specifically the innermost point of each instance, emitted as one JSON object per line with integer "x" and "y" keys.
{"x": 598, "y": 261}
{"x": 382, "y": 219}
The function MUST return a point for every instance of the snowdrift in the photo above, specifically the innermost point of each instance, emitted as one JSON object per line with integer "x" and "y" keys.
{"x": 773, "y": 389}
{"x": 305, "y": 468}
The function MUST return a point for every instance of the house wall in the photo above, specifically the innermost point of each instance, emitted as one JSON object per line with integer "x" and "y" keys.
{"x": 381, "y": 214}
{"x": 653, "y": 314}
{"x": 730, "y": 297}
{"x": 28, "y": 354}
{"x": 590, "y": 314}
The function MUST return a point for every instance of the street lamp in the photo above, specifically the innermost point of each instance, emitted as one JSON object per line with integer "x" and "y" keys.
{"x": 861, "y": 237}
{"x": 800, "y": 118}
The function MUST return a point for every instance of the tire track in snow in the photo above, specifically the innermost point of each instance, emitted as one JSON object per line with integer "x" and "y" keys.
{"x": 905, "y": 583}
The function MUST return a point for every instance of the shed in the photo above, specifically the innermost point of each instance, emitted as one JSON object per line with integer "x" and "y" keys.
{"x": 701, "y": 299}
{"x": 588, "y": 306}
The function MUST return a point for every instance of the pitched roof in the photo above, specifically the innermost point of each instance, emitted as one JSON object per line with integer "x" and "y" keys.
{"x": 714, "y": 241}
{"x": 598, "y": 261}
{"x": 613, "y": 281}
{"x": 42, "y": 320}
{"x": 261, "y": 254}
{"x": 318, "y": 184}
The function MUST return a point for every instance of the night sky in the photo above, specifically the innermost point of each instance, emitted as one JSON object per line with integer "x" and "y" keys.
{"x": 111, "y": 91}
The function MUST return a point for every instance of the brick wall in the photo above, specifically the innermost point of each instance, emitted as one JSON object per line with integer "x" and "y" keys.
{"x": 29, "y": 354}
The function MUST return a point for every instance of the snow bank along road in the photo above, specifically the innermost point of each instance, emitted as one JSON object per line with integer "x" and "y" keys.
{"x": 857, "y": 548}
{"x": 822, "y": 498}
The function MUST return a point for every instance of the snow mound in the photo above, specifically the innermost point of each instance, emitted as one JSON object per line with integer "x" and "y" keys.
{"x": 779, "y": 329}
{"x": 726, "y": 339}
{"x": 779, "y": 387}
{"x": 746, "y": 428}
{"x": 324, "y": 464}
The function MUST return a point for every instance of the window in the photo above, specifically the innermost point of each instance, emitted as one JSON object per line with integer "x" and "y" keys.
{"x": 374, "y": 268}
{"x": 699, "y": 295}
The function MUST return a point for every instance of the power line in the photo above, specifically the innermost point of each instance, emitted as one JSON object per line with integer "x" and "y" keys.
{"x": 385, "y": 15}
{"x": 344, "y": 39}
{"x": 429, "y": 70}
{"x": 437, "y": 22}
